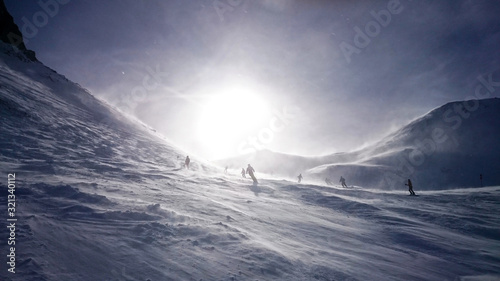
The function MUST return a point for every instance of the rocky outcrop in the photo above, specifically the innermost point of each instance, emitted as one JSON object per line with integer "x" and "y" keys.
{"x": 10, "y": 34}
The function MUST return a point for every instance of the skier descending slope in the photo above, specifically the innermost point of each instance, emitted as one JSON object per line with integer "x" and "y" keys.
{"x": 342, "y": 181}
{"x": 300, "y": 177}
{"x": 410, "y": 187}
{"x": 251, "y": 171}
{"x": 186, "y": 163}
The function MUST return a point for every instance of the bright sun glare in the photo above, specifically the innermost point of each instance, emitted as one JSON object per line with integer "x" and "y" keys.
{"x": 229, "y": 117}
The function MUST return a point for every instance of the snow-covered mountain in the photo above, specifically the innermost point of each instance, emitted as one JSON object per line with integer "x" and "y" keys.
{"x": 88, "y": 194}
{"x": 449, "y": 147}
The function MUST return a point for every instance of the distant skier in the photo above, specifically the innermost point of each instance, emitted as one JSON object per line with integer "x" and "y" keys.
{"x": 410, "y": 187}
{"x": 342, "y": 181}
{"x": 225, "y": 170}
{"x": 300, "y": 177}
{"x": 328, "y": 181}
{"x": 186, "y": 163}
{"x": 251, "y": 171}
{"x": 243, "y": 172}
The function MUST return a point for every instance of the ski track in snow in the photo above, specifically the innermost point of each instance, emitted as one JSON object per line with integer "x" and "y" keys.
{"x": 107, "y": 201}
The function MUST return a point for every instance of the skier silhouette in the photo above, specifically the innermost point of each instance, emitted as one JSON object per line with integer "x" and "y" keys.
{"x": 243, "y": 172}
{"x": 251, "y": 171}
{"x": 225, "y": 170}
{"x": 410, "y": 187}
{"x": 300, "y": 177}
{"x": 186, "y": 163}
{"x": 342, "y": 180}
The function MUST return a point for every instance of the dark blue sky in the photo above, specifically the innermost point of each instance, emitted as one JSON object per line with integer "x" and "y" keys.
{"x": 164, "y": 61}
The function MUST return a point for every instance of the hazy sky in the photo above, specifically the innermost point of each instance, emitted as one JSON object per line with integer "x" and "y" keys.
{"x": 311, "y": 77}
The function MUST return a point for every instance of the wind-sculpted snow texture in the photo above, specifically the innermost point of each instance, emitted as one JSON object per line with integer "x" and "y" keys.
{"x": 103, "y": 198}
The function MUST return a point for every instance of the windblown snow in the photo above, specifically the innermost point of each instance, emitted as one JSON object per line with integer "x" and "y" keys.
{"x": 100, "y": 197}
{"x": 450, "y": 147}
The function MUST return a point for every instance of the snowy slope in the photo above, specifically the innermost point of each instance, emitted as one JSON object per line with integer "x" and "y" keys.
{"x": 99, "y": 197}
{"x": 448, "y": 147}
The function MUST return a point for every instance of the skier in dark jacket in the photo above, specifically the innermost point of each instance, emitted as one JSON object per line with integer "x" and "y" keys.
{"x": 342, "y": 181}
{"x": 300, "y": 177}
{"x": 410, "y": 187}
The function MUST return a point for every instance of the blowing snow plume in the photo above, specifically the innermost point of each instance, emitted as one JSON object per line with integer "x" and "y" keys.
{"x": 88, "y": 194}
{"x": 98, "y": 197}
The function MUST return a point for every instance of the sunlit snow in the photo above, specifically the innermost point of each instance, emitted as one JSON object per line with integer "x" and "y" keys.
{"x": 100, "y": 197}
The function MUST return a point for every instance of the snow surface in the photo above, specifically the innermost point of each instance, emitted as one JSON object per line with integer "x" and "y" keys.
{"x": 101, "y": 197}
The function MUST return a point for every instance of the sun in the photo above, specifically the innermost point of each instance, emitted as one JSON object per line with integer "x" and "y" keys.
{"x": 229, "y": 117}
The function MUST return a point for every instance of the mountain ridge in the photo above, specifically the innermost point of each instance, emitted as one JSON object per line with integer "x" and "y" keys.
{"x": 449, "y": 139}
